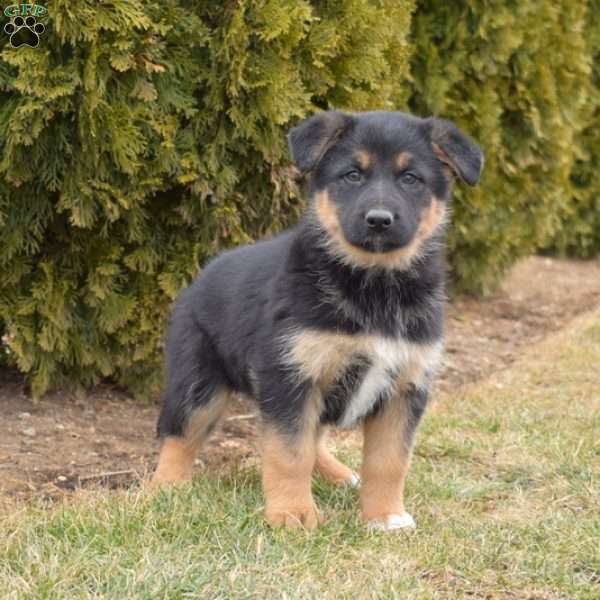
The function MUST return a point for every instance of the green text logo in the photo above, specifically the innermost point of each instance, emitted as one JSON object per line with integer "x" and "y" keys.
{"x": 23, "y": 10}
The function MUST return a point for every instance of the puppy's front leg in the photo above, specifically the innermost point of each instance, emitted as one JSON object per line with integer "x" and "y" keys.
{"x": 388, "y": 440}
{"x": 289, "y": 452}
{"x": 288, "y": 459}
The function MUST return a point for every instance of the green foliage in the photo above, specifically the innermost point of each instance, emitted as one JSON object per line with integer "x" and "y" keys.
{"x": 140, "y": 138}
{"x": 580, "y": 231}
{"x": 516, "y": 76}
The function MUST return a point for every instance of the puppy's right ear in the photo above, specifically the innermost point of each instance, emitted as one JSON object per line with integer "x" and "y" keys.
{"x": 309, "y": 141}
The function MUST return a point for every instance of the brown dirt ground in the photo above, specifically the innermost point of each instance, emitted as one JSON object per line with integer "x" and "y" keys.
{"x": 68, "y": 441}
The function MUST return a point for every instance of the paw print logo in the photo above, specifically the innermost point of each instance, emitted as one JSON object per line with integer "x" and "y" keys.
{"x": 24, "y": 32}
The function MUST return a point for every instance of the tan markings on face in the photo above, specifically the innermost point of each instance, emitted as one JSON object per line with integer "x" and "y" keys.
{"x": 430, "y": 220}
{"x": 402, "y": 160}
{"x": 177, "y": 454}
{"x": 327, "y": 214}
{"x": 327, "y": 465}
{"x": 364, "y": 159}
{"x": 386, "y": 460}
{"x": 287, "y": 466}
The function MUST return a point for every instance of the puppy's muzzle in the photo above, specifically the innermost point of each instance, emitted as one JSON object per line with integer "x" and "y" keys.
{"x": 378, "y": 219}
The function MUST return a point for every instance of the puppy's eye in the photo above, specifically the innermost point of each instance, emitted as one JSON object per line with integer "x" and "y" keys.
{"x": 354, "y": 176}
{"x": 409, "y": 179}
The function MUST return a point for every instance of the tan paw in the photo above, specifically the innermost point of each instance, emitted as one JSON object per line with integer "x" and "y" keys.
{"x": 297, "y": 517}
{"x": 392, "y": 522}
{"x": 175, "y": 463}
{"x": 161, "y": 481}
{"x": 168, "y": 473}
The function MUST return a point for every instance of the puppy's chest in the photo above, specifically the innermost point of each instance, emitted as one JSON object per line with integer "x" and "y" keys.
{"x": 357, "y": 374}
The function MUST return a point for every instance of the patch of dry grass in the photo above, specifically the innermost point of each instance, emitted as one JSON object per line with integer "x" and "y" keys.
{"x": 504, "y": 489}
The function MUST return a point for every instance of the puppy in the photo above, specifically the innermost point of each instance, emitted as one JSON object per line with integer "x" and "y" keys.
{"x": 337, "y": 321}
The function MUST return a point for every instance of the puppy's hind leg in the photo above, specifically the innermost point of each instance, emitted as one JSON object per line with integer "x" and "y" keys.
{"x": 329, "y": 467}
{"x": 195, "y": 398}
{"x": 178, "y": 450}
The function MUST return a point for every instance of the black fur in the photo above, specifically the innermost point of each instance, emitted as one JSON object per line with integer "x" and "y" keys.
{"x": 334, "y": 400}
{"x": 309, "y": 142}
{"x": 459, "y": 152}
{"x": 417, "y": 398}
{"x": 229, "y": 328}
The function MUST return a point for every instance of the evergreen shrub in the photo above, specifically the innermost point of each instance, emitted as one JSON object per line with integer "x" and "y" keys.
{"x": 516, "y": 76}
{"x": 579, "y": 235}
{"x": 140, "y": 138}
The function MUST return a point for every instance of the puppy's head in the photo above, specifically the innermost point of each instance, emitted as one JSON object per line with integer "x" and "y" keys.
{"x": 381, "y": 180}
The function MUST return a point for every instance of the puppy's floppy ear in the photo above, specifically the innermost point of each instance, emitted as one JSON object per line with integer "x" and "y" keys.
{"x": 456, "y": 150}
{"x": 309, "y": 141}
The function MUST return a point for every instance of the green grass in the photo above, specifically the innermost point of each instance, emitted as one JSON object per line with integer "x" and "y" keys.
{"x": 504, "y": 488}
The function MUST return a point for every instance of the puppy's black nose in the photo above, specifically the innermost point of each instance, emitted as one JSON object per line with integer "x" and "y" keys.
{"x": 379, "y": 219}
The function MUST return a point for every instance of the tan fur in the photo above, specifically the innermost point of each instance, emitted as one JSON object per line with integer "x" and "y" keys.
{"x": 177, "y": 454}
{"x": 449, "y": 164}
{"x": 449, "y": 174}
{"x": 430, "y": 221}
{"x": 327, "y": 465}
{"x": 363, "y": 158}
{"x": 386, "y": 460}
{"x": 327, "y": 215}
{"x": 322, "y": 355}
{"x": 403, "y": 159}
{"x": 287, "y": 466}
{"x": 175, "y": 462}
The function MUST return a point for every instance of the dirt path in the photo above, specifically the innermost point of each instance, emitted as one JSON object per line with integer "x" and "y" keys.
{"x": 64, "y": 442}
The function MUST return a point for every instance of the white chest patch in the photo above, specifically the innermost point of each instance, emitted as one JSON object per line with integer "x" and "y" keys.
{"x": 323, "y": 356}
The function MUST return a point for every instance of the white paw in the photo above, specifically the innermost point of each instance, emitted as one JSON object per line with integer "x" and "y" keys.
{"x": 393, "y": 522}
{"x": 354, "y": 480}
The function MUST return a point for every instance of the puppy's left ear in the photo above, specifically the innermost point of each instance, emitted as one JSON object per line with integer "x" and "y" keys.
{"x": 309, "y": 141}
{"x": 457, "y": 150}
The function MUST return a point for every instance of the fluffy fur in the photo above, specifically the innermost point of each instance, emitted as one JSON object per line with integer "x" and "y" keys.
{"x": 337, "y": 321}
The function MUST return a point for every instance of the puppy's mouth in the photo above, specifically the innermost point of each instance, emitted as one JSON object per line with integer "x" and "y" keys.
{"x": 378, "y": 243}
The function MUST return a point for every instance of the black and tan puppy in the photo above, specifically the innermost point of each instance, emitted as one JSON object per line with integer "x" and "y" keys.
{"x": 337, "y": 321}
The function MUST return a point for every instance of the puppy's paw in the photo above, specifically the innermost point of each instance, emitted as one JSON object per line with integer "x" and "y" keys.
{"x": 392, "y": 522}
{"x": 162, "y": 479}
{"x": 296, "y": 517}
{"x": 175, "y": 463}
{"x": 354, "y": 480}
